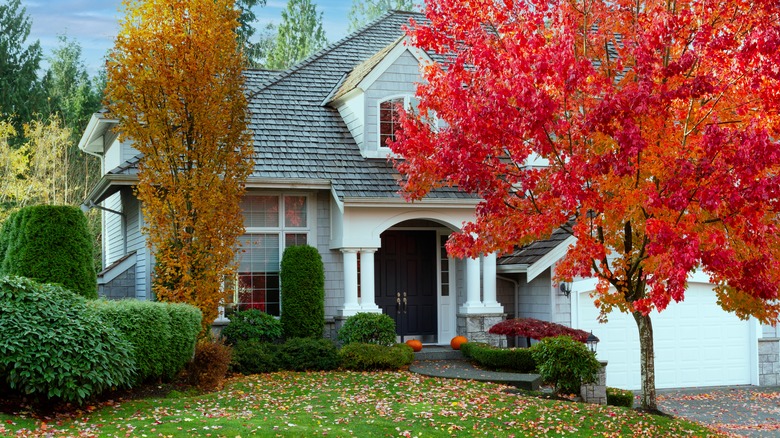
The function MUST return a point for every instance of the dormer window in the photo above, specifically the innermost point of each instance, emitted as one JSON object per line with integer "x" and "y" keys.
{"x": 388, "y": 117}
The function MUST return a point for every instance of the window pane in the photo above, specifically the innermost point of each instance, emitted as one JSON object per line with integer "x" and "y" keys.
{"x": 258, "y": 273}
{"x": 260, "y": 211}
{"x": 294, "y": 240}
{"x": 445, "y": 267}
{"x": 388, "y": 120}
{"x": 295, "y": 211}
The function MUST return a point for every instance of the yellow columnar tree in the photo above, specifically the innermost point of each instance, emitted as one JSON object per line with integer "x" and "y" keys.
{"x": 175, "y": 85}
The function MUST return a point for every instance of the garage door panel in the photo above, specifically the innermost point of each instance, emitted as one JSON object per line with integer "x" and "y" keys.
{"x": 696, "y": 343}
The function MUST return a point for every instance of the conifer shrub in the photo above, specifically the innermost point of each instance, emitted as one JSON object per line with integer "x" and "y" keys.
{"x": 50, "y": 244}
{"x": 163, "y": 334}
{"x": 565, "y": 363}
{"x": 308, "y": 354}
{"x": 254, "y": 357}
{"x": 368, "y": 328}
{"x": 252, "y": 324}
{"x": 55, "y": 347}
{"x": 374, "y": 357}
{"x": 303, "y": 292}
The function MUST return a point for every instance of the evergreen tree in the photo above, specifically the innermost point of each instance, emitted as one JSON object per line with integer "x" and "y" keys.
{"x": 21, "y": 93}
{"x": 365, "y": 11}
{"x": 300, "y": 34}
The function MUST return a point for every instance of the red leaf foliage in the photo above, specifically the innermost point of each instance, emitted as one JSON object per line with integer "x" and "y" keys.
{"x": 536, "y": 329}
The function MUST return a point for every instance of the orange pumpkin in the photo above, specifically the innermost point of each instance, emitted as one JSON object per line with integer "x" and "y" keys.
{"x": 415, "y": 344}
{"x": 457, "y": 341}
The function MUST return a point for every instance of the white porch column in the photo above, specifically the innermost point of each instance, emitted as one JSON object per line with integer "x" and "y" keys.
{"x": 473, "y": 303}
{"x": 489, "y": 284}
{"x": 351, "y": 305}
{"x": 367, "y": 292}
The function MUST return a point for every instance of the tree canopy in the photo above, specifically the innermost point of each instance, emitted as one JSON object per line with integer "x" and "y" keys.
{"x": 175, "y": 85}
{"x": 648, "y": 130}
{"x": 299, "y": 35}
{"x": 364, "y": 11}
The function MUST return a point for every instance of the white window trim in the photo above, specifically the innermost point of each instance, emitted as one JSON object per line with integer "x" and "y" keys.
{"x": 383, "y": 151}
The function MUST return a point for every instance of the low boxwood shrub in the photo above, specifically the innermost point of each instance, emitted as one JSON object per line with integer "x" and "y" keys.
{"x": 303, "y": 292}
{"x": 252, "y": 325}
{"x": 56, "y": 347}
{"x": 373, "y": 357}
{"x": 368, "y": 328}
{"x": 50, "y": 244}
{"x": 565, "y": 363}
{"x": 254, "y": 357}
{"x": 163, "y": 334}
{"x": 210, "y": 365}
{"x": 519, "y": 360}
{"x": 308, "y": 354}
{"x": 620, "y": 397}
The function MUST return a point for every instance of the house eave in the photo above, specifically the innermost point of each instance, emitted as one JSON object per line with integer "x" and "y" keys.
{"x": 395, "y": 202}
{"x": 520, "y": 268}
{"x": 92, "y": 139}
{"x": 287, "y": 183}
{"x": 107, "y": 186}
{"x": 549, "y": 259}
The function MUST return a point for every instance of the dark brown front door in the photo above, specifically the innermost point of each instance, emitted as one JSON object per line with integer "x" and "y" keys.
{"x": 406, "y": 269}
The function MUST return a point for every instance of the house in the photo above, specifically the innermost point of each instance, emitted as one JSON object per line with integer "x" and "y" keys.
{"x": 322, "y": 177}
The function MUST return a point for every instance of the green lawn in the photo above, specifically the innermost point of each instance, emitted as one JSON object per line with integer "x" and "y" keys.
{"x": 351, "y": 404}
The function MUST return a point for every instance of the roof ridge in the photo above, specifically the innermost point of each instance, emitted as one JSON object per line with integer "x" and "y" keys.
{"x": 329, "y": 48}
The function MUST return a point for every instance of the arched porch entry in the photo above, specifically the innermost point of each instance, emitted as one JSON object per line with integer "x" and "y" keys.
{"x": 413, "y": 280}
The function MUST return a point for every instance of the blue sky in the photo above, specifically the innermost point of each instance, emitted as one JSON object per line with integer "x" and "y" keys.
{"x": 94, "y": 23}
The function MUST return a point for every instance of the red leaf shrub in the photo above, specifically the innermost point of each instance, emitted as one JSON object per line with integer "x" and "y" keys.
{"x": 536, "y": 329}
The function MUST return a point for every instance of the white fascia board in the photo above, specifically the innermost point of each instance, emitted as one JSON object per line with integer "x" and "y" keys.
{"x": 401, "y": 47}
{"x": 512, "y": 269}
{"x": 549, "y": 259}
{"x": 91, "y": 140}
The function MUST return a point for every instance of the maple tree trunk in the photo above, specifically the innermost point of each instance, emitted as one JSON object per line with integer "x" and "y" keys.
{"x": 646, "y": 360}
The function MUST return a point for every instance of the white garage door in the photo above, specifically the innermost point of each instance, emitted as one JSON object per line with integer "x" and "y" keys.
{"x": 696, "y": 343}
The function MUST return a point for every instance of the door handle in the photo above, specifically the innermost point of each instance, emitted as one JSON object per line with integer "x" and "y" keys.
{"x": 406, "y": 304}
{"x": 398, "y": 302}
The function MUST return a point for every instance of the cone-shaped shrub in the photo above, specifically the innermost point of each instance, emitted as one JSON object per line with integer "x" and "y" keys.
{"x": 303, "y": 293}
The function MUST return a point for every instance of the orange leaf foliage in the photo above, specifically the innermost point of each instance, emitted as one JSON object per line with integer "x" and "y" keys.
{"x": 657, "y": 124}
{"x": 175, "y": 85}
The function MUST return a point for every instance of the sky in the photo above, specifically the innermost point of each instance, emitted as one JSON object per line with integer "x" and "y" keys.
{"x": 95, "y": 23}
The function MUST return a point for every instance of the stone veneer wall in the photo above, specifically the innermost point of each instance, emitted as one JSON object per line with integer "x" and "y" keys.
{"x": 596, "y": 392}
{"x": 769, "y": 362}
{"x": 123, "y": 286}
{"x": 475, "y": 328}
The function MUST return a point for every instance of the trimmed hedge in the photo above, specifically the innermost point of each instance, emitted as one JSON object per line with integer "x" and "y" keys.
{"x": 254, "y": 357}
{"x": 620, "y": 397}
{"x": 50, "y": 244}
{"x": 303, "y": 292}
{"x": 308, "y": 354}
{"x": 163, "y": 335}
{"x": 519, "y": 360}
{"x": 373, "y": 357}
{"x": 252, "y": 324}
{"x": 368, "y": 328}
{"x": 55, "y": 346}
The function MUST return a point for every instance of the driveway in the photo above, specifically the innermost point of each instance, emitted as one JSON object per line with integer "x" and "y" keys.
{"x": 740, "y": 410}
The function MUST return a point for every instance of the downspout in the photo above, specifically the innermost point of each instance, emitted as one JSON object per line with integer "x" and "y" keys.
{"x": 517, "y": 296}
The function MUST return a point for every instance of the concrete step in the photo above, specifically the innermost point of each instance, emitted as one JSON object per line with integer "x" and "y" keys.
{"x": 438, "y": 352}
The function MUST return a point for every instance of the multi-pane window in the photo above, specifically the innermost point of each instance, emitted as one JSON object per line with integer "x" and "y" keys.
{"x": 388, "y": 119}
{"x": 272, "y": 223}
{"x": 445, "y": 266}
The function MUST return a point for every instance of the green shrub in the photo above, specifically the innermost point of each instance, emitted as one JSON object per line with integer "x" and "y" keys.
{"x": 620, "y": 397}
{"x": 368, "y": 328}
{"x": 55, "y": 346}
{"x": 252, "y": 324}
{"x": 373, "y": 357}
{"x": 253, "y": 357}
{"x": 163, "y": 335}
{"x": 210, "y": 365}
{"x": 519, "y": 360}
{"x": 50, "y": 244}
{"x": 303, "y": 292}
{"x": 185, "y": 328}
{"x": 308, "y": 354}
{"x": 565, "y": 363}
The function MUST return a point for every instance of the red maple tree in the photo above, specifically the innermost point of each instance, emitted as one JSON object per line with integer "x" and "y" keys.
{"x": 646, "y": 129}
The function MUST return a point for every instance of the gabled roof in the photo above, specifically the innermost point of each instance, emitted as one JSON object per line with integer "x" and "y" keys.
{"x": 537, "y": 256}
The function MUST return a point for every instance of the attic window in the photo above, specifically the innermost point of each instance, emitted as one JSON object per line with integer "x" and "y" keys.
{"x": 388, "y": 119}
